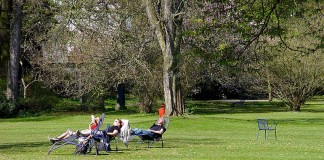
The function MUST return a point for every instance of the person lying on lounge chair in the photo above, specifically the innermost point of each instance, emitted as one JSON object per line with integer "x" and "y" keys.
{"x": 84, "y": 133}
{"x": 111, "y": 131}
{"x": 153, "y": 132}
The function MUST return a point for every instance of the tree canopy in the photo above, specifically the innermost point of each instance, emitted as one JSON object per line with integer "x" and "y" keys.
{"x": 166, "y": 48}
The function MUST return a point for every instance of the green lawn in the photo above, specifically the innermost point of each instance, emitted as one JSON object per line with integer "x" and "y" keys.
{"x": 215, "y": 130}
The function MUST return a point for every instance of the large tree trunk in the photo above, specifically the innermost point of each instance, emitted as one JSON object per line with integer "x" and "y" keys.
{"x": 120, "y": 97}
{"x": 165, "y": 32}
{"x": 269, "y": 85}
{"x": 15, "y": 40}
{"x": 178, "y": 97}
{"x": 168, "y": 57}
{"x": 4, "y": 35}
{"x": 179, "y": 106}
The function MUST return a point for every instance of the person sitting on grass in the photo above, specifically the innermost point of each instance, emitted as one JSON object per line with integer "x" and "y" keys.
{"x": 155, "y": 131}
{"x": 83, "y": 133}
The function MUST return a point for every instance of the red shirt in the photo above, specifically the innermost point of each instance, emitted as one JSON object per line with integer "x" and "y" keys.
{"x": 93, "y": 126}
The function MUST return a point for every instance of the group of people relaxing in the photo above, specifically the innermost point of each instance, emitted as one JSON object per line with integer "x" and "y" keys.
{"x": 113, "y": 131}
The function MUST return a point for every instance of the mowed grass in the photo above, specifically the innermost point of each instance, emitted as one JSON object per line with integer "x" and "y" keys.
{"x": 215, "y": 130}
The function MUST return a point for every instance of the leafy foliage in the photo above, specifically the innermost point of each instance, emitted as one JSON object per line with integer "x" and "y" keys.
{"x": 291, "y": 60}
{"x": 68, "y": 105}
{"x": 7, "y": 108}
{"x": 84, "y": 48}
{"x": 38, "y": 99}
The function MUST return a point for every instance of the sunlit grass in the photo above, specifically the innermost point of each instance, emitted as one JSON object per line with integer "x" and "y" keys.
{"x": 215, "y": 130}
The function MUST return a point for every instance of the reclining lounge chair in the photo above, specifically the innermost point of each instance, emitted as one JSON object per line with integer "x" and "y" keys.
{"x": 73, "y": 139}
{"x": 101, "y": 141}
{"x": 157, "y": 137}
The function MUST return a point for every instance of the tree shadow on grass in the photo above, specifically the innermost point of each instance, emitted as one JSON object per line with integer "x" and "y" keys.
{"x": 28, "y": 146}
{"x": 23, "y": 146}
{"x": 252, "y": 106}
{"x": 315, "y": 105}
{"x": 32, "y": 118}
{"x": 231, "y": 107}
{"x": 318, "y": 121}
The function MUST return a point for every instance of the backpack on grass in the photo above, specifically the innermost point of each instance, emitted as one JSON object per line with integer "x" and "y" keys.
{"x": 82, "y": 148}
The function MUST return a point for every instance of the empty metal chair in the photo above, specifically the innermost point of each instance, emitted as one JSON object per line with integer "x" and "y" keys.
{"x": 263, "y": 125}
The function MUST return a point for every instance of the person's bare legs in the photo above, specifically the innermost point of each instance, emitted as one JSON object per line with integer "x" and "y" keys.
{"x": 65, "y": 135}
{"x": 85, "y": 133}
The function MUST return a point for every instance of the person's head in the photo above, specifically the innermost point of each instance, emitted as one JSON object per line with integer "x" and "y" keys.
{"x": 162, "y": 105}
{"x": 160, "y": 121}
{"x": 95, "y": 120}
{"x": 118, "y": 123}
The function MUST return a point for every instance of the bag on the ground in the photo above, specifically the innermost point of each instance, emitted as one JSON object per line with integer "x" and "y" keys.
{"x": 82, "y": 148}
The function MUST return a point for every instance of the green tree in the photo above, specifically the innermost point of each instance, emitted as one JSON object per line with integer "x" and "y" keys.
{"x": 291, "y": 53}
{"x": 93, "y": 45}
{"x": 296, "y": 78}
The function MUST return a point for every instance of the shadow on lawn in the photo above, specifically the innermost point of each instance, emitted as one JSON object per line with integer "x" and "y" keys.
{"x": 252, "y": 106}
{"x": 230, "y": 107}
{"x": 315, "y": 105}
{"x": 318, "y": 121}
{"x": 27, "y": 147}
{"x": 22, "y": 146}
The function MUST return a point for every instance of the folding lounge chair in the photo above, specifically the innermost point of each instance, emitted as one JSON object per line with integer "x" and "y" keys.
{"x": 156, "y": 137}
{"x": 91, "y": 143}
{"x": 124, "y": 134}
{"x": 101, "y": 141}
{"x": 73, "y": 139}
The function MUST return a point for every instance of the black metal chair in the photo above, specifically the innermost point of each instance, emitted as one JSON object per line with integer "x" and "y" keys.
{"x": 264, "y": 126}
{"x": 156, "y": 137}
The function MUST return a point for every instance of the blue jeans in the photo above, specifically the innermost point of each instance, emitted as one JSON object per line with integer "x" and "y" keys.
{"x": 142, "y": 132}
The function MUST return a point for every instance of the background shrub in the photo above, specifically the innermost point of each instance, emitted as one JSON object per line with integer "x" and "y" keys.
{"x": 38, "y": 98}
{"x": 6, "y": 107}
{"x": 36, "y": 104}
{"x": 66, "y": 104}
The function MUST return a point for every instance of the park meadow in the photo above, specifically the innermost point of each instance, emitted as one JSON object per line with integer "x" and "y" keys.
{"x": 211, "y": 130}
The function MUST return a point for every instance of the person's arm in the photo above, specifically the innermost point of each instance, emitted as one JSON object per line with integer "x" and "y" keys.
{"x": 92, "y": 122}
{"x": 114, "y": 133}
{"x": 87, "y": 139}
{"x": 157, "y": 132}
{"x": 90, "y": 126}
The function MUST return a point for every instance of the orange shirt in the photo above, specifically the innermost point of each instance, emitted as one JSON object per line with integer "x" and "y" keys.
{"x": 161, "y": 112}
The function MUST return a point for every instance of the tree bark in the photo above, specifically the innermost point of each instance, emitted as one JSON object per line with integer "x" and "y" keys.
{"x": 15, "y": 40}
{"x": 269, "y": 85}
{"x": 165, "y": 33}
{"x": 179, "y": 106}
{"x": 168, "y": 57}
{"x": 4, "y": 34}
{"x": 120, "y": 97}
{"x": 178, "y": 97}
